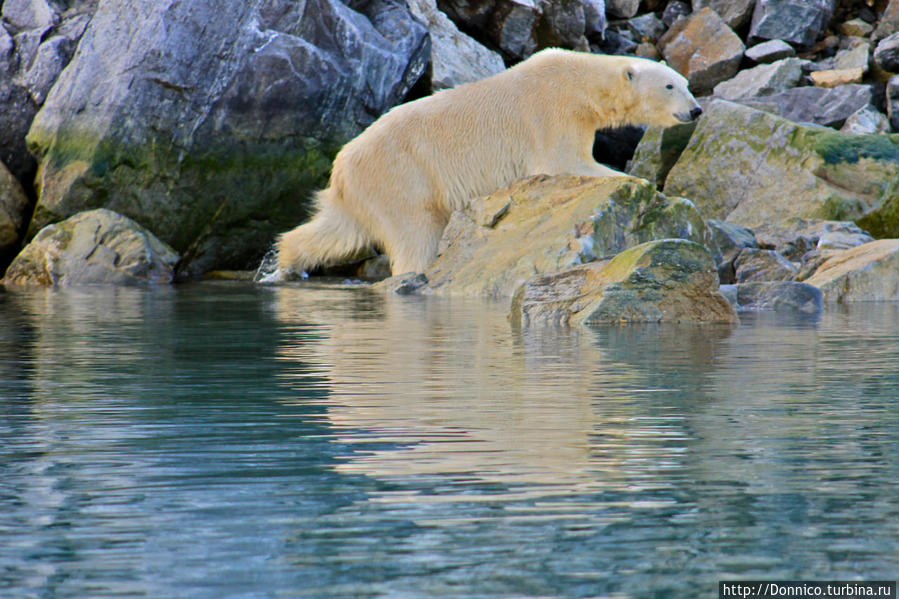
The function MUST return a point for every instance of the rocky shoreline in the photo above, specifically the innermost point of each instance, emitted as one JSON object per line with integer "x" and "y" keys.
{"x": 159, "y": 141}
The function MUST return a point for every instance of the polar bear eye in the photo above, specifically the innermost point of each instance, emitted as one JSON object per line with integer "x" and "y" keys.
{"x": 669, "y": 86}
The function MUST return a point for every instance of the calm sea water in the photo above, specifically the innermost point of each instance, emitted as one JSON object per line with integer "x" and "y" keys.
{"x": 224, "y": 440}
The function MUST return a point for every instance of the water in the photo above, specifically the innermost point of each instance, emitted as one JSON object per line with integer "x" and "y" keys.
{"x": 224, "y": 440}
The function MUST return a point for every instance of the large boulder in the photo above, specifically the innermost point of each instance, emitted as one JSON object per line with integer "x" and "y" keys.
{"x": 543, "y": 224}
{"x": 750, "y": 167}
{"x": 216, "y": 119}
{"x": 735, "y": 13}
{"x": 455, "y": 57}
{"x": 763, "y": 80}
{"x": 671, "y": 280}
{"x": 798, "y": 21}
{"x": 868, "y": 272}
{"x": 98, "y": 247}
{"x": 828, "y": 106}
{"x": 703, "y": 49}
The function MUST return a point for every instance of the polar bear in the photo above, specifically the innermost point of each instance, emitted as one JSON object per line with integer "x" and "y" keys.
{"x": 396, "y": 184}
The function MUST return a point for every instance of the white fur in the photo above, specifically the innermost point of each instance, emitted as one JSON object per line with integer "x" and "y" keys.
{"x": 395, "y": 185}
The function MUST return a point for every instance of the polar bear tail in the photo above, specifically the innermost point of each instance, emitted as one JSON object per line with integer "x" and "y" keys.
{"x": 330, "y": 237}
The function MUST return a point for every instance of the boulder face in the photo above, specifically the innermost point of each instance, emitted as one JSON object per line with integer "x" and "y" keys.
{"x": 13, "y": 205}
{"x": 216, "y": 120}
{"x": 543, "y": 224}
{"x": 750, "y": 167}
{"x": 868, "y": 272}
{"x": 671, "y": 280}
{"x": 797, "y": 21}
{"x": 98, "y": 247}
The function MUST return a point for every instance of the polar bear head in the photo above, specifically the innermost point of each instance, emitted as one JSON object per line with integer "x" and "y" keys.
{"x": 661, "y": 95}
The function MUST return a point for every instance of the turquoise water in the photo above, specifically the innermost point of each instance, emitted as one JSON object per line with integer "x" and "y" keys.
{"x": 223, "y": 440}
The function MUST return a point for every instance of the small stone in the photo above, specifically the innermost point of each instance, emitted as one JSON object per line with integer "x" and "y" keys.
{"x": 892, "y": 101}
{"x": 865, "y": 121}
{"x": 837, "y": 77}
{"x": 674, "y": 12}
{"x": 623, "y": 9}
{"x": 770, "y": 51}
{"x": 856, "y": 56}
{"x": 726, "y": 241}
{"x": 406, "y": 284}
{"x": 857, "y": 28}
{"x": 886, "y": 54}
{"x": 647, "y": 28}
{"x": 29, "y": 14}
{"x": 735, "y": 13}
{"x": 647, "y": 50}
{"x": 763, "y": 80}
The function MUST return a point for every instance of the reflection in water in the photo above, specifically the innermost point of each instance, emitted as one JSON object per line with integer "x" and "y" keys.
{"x": 324, "y": 441}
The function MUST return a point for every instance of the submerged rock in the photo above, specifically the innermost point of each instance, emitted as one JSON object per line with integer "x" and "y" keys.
{"x": 749, "y": 167}
{"x": 868, "y": 272}
{"x": 544, "y": 224}
{"x": 671, "y": 280}
{"x": 98, "y": 247}
{"x": 755, "y": 264}
{"x": 726, "y": 241}
{"x": 215, "y": 120}
{"x": 797, "y": 21}
{"x": 779, "y": 296}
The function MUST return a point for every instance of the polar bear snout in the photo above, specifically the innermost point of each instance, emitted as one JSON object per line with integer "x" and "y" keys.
{"x": 689, "y": 117}
{"x": 694, "y": 114}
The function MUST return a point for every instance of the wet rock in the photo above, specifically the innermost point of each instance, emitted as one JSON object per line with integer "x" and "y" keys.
{"x": 770, "y": 51}
{"x": 98, "y": 247}
{"x": 670, "y": 280}
{"x": 566, "y": 220}
{"x": 822, "y": 106}
{"x": 868, "y": 272}
{"x": 762, "y": 265}
{"x": 886, "y": 54}
{"x": 658, "y": 151}
{"x": 763, "y": 80}
{"x": 726, "y": 241}
{"x": 455, "y": 57}
{"x": 703, "y": 49}
{"x": 866, "y": 121}
{"x": 13, "y": 206}
{"x": 797, "y": 21}
{"x": 735, "y": 13}
{"x": 778, "y": 296}
{"x": 736, "y": 153}
{"x": 214, "y": 118}
{"x": 404, "y": 284}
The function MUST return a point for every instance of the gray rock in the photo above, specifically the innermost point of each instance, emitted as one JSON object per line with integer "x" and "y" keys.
{"x": 735, "y": 13}
{"x": 822, "y": 106}
{"x": 779, "y": 296}
{"x": 703, "y": 49}
{"x": 98, "y": 247}
{"x": 892, "y": 101}
{"x": 795, "y": 237}
{"x": 671, "y": 280}
{"x": 52, "y": 57}
{"x": 658, "y": 151}
{"x": 770, "y": 51}
{"x": 797, "y": 21}
{"x": 647, "y": 27}
{"x": 886, "y": 54}
{"x": 13, "y": 206}
{"x": 855, "y": 56}
{"x": 29, "y": 14}
{"x": 762, "y": 265}
{"x": 888, "y": 23}
{"x": 726, "y": 241}
{"x": 216, "y": 119}
{"x": 594, "y": 17}
{"x": 455, "y": 57}
{"x": 868, "y": 272}
{"x": 623, "y": 9}
{"x": 763, "y": 80}
{"x": 674, "y": 12}
{"x": 866, "y": 121}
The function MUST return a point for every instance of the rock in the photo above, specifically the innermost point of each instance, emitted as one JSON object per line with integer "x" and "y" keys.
{"x": 866, "y": 121}
{"x": 837, "y": 77}
{"x": 892, "y": 101}
{"x": 797, "y": 21}
{"x": 623, "y": 9}
{"x": 889, "y": 21}
{"x": 671, "y": 280}
{"x": 886, "y": 53}
{"x": 594, "y": 17}
{"x": 51, "y": 58}
{"x": 647, "y": 28}
{"x": 726, "y": 241}
{"x": 736, "y": 153}
{"x": 13, "y": 207}
{"x": 735, "y": 13}
{"x": 856, "y": 28}
{"x": 762, "y": 265}
{"x": 770, "y": 51}
{"x": 868, "y": 272}
{"x": 567, "y": 220}
{"x": 763, "y": 80}
{"x": 856, "y": 56}
{"x": 777, "y": 296}
{"x": 822, "y": 106}
{"x": 98, "y": 247}
{"x": 29, "y": 14}
{"x": 703, "y": 49}
{"x": 455, "y": 57}
{"x": 658, "y": 151}
{"x": 405, "y": 284}
{"x": 214, "y": 119}
{"x": 674, "y": 12}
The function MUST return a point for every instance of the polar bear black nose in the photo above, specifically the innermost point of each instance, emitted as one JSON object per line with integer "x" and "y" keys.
{"x": 694, "y": 114}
